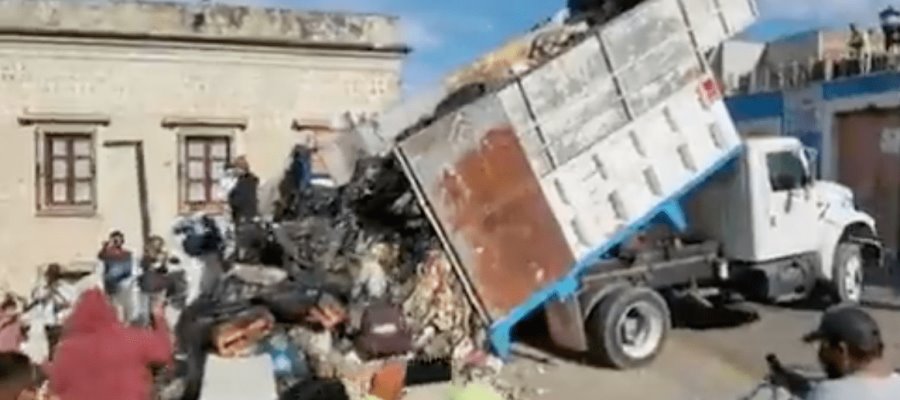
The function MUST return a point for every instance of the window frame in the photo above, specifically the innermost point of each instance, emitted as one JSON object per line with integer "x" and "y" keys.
{"x": 774, "y": 184}
{"x": 210, "y": 134}
{"x": 316, "y": 134}
{"x": 43, "y": 168}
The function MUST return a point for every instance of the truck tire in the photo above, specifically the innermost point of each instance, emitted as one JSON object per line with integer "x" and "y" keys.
{"x": 628, "y": 329}
{"x": 849, "y": 273}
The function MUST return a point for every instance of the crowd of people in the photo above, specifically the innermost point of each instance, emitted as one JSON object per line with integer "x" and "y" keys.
{"x": 860, "y": 43}
{"x": 92, "y": 328}
{"x": 104, "y": 342}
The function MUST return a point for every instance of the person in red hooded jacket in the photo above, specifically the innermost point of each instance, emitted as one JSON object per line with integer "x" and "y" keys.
{"x": 99, "y": 358}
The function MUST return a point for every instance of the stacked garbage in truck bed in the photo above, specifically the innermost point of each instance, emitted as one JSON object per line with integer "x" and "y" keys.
{"x": 535, "y": 173}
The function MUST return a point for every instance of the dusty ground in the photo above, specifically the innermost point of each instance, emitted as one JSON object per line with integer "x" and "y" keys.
{"x": 720, "y": 364}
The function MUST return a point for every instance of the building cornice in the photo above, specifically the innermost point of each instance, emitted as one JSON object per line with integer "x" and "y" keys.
{"x": 60, "y": 36}
{"x": 202, "y": 23}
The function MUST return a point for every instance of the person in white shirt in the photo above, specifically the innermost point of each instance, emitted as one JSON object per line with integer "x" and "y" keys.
{"x": 860, "y": 48}
{"x": 52, "y": 301}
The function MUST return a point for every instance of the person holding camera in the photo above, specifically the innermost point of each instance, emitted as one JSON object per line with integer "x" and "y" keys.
{"x": 851, "y": 352}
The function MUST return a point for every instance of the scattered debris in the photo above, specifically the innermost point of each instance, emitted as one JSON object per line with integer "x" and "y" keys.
{"x": 352, "y": 297}
{"x": 438, "y": 311}
{"x": 353, "y": 287}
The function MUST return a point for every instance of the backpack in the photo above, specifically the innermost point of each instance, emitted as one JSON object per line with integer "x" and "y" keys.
{"x": 383, "y": 332}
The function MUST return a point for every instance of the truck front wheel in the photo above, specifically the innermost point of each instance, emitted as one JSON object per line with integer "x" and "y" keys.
{"x": 628, "y": 329}
{"x": 847, "y": 282}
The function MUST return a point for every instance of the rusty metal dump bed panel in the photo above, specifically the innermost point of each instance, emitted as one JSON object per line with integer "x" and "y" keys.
{"x": 472, "y": 168}
{"x": 529, "y": 185}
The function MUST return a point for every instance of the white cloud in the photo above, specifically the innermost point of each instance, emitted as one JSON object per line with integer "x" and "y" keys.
{"x": 825, "y": 12}
{"x": 419, "y": 34}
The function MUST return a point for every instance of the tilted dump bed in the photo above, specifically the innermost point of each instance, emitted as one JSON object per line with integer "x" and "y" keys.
{"x": 531, "y": 184}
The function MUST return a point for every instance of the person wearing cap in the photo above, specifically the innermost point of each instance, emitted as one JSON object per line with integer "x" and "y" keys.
{"x": 851, "y": 352}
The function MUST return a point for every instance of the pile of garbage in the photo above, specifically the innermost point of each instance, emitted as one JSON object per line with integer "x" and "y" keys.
{"x": 324, "y": 298}
{"x": 524, "y": 53}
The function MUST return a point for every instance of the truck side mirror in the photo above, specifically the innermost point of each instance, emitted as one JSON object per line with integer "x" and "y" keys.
{"x": 810, "y": 158}
{"x": 807, "y": 180}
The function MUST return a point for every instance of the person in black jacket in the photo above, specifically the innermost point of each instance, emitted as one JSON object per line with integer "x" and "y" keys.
{"x": 244, "y": 206}
{"x": 243, "y": 199}
{"x": 890, "y": 25}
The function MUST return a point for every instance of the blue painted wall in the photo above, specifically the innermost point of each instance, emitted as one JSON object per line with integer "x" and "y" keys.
{"x": 771, "y": 104}
{"x": 756, "y": 106}
{"x": 760, "y": 106}
{"x": 861, "y": 86}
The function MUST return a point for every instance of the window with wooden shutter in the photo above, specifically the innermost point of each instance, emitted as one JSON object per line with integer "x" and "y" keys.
{"x": 203, "y": 162}
{"x": 69, "y": 169}
{"x": 65, "y": 171}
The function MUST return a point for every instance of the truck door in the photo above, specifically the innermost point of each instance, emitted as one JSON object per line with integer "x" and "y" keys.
{"x": 791, "y": 206}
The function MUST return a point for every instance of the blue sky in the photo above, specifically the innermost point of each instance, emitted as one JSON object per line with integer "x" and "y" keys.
{"x": 446, "y": 34}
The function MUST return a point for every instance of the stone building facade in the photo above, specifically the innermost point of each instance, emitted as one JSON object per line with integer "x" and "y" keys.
{"x": 119, "y": 116}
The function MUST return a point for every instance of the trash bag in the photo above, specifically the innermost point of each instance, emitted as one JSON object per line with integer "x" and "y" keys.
{"x": 201, "y": 235}
{"x": 383, "y": 332}
{"x": 599, "y": 11}
{"x": 290, "y": 302}
{"x": 426, "y": 372}
{"x": 317, "y": 389}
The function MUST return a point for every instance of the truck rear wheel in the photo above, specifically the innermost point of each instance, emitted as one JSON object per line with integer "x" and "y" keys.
{"x": 628, "y": 329}
{"x": 847, "y": 281}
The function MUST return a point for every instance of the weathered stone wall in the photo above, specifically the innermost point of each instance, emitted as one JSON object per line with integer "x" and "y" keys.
{"x": 137, "y": 88}
{"x": 218, "y": 22}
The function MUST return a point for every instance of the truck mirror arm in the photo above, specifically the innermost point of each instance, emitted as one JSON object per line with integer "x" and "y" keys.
{"x": 789, "y": 204}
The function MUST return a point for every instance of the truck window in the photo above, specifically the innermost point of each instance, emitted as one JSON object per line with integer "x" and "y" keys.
{"x": 786, "y": 171}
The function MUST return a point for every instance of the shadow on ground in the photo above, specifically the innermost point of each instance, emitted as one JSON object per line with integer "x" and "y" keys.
{"x": 533, "y": 331}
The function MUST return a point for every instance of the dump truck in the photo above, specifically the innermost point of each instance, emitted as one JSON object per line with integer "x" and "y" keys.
{"x": 608, "y": 179}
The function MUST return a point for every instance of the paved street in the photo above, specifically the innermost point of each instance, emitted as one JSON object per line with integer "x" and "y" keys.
{"x": 720, "y": 364}
{"x": 714, "y": 364}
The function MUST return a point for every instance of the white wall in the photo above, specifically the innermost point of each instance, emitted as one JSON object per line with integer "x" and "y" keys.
{"x": 737, "y": 58}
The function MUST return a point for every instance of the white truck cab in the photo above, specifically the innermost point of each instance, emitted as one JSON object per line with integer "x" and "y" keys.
{"x": 771, "y": 214}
